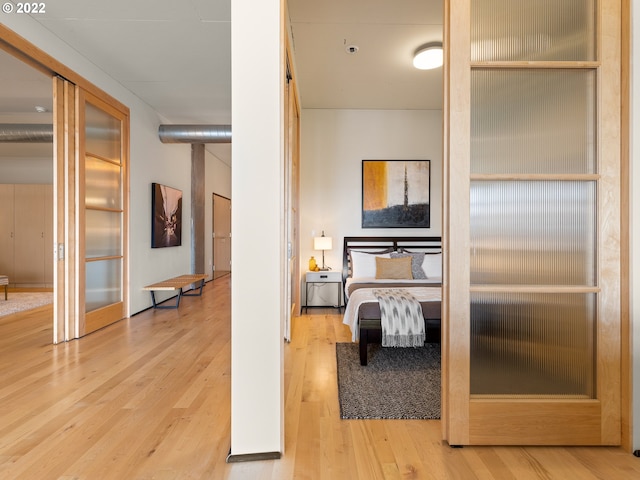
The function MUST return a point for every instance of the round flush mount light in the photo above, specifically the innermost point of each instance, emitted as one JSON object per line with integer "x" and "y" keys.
{"x": 428, "y": 56}
{"x": 352, "y": 49}
{"x": 40, "y": 109}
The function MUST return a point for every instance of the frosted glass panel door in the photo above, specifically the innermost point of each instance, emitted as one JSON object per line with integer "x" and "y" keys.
{"x": 532, "y": 274}
{"x": 103, "y": 221}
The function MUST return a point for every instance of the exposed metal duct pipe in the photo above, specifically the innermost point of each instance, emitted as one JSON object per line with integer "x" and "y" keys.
{"x": 43, "y": 133}
{"x": 195, "y": 133}
{"x": 26, "y": 133}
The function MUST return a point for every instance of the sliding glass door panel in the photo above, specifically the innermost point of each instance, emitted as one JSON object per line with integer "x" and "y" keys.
{"x": 533, "y": 121}
{"x": 103, "y": 283}
{"x": 533, "y": 232}
{"x": 533, "y": 345}
{"x": 103, "y": 232}
{"x": 103, "y": 134}
{"x": 551, "y": 30}
{"x": 103, "y": 183}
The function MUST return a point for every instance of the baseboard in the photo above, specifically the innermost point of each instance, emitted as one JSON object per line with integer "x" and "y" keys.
{"x": 253, "y": 457}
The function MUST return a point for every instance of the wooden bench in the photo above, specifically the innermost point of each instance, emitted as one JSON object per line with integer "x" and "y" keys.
{"x": 176, "y": 283}
{"x": 4, "y": 280}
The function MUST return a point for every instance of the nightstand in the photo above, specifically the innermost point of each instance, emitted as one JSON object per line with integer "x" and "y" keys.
{"x": 323, "y": 276}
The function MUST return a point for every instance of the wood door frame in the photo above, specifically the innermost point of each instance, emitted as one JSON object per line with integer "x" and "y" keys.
{"x": 213, "y": 228}
{"x": 626, "y": 343}
{"x": 293, "y": 159}
{"x": 291, "y": 191}
{"x": 455, "y": 230}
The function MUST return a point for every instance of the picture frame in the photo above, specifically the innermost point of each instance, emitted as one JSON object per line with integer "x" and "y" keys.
{"x": 396, "y": 193}
{"x": 166, "y": 216}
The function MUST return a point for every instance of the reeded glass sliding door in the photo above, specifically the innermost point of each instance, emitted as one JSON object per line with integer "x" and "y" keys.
{"x": 102, "y": 212}
{"x": 541, "y": 284}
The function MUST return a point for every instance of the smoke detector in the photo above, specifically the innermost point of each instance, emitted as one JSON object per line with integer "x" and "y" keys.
{"x": 352, "y": 49}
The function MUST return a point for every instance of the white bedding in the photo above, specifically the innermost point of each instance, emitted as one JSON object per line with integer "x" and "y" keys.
{"x": 365, "y": 295}
{"x": 349, "y": 281}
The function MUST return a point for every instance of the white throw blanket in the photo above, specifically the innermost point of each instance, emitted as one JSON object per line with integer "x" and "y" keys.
{"x": 400, "y": 317}
{"x": 365, "y": 295}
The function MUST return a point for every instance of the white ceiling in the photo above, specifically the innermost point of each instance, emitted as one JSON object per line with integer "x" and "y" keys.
{"x": 381, "y": 75}
{"x": 176, "y": 55}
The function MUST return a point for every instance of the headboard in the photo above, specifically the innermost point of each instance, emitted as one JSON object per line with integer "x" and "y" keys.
{"x": 377, "y": 244}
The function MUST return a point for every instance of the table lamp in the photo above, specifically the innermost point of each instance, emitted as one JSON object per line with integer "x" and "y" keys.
{"x": 322, "y": 243}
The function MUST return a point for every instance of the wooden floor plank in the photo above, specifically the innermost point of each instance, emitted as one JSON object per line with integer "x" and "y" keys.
{"x": 149, "y": 398}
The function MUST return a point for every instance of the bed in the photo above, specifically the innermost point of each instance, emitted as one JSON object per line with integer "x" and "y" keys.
{"x": 362, "y": 311}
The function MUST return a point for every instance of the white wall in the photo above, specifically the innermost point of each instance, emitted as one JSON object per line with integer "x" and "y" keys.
{"x": 27, "y": 170}
{"x": 333, "y": 145}
{"x": 218, "y": 181}
{"x": 150, "y": 161}
{"x": 168, "y": 164}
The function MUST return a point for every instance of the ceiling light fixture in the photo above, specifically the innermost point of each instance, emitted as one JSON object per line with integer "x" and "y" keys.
{"x": 40, "y": 109}
{"x": 428, "y": 56}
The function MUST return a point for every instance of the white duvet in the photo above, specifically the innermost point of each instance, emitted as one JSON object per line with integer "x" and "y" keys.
{"x": 350, "y": 280}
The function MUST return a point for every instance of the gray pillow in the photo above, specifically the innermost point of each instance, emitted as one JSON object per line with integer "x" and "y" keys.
{"x": 416, "y": 263}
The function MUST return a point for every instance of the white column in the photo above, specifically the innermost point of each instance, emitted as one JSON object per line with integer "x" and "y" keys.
{"x": 256, "y": 291}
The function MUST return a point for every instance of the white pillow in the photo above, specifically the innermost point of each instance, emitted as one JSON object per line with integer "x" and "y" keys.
{"x": 432, "y": 265}
{"x": 363, "y": 265}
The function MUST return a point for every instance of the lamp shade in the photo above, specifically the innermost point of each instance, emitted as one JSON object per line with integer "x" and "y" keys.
{"x": 322, "y": 243}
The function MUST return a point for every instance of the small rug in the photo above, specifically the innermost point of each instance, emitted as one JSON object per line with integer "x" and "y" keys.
{"x": 19, "y": 301}
{"x": 400, "y": 383}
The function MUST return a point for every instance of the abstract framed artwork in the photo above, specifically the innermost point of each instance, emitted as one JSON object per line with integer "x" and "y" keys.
{"x": 396, "y": 193}
{"x": 166, "y": 226}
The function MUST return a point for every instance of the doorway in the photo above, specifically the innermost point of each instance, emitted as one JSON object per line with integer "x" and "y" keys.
{"x": 26, "y": 185}
{"x": 221, "y": 236}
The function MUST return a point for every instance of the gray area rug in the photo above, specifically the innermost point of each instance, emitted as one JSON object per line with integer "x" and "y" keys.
{"x": 400, "y": 383}
{"x": 20, "y": 301}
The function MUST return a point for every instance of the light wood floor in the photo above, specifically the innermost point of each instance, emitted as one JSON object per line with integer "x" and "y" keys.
{"x": 149, "y": 398}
